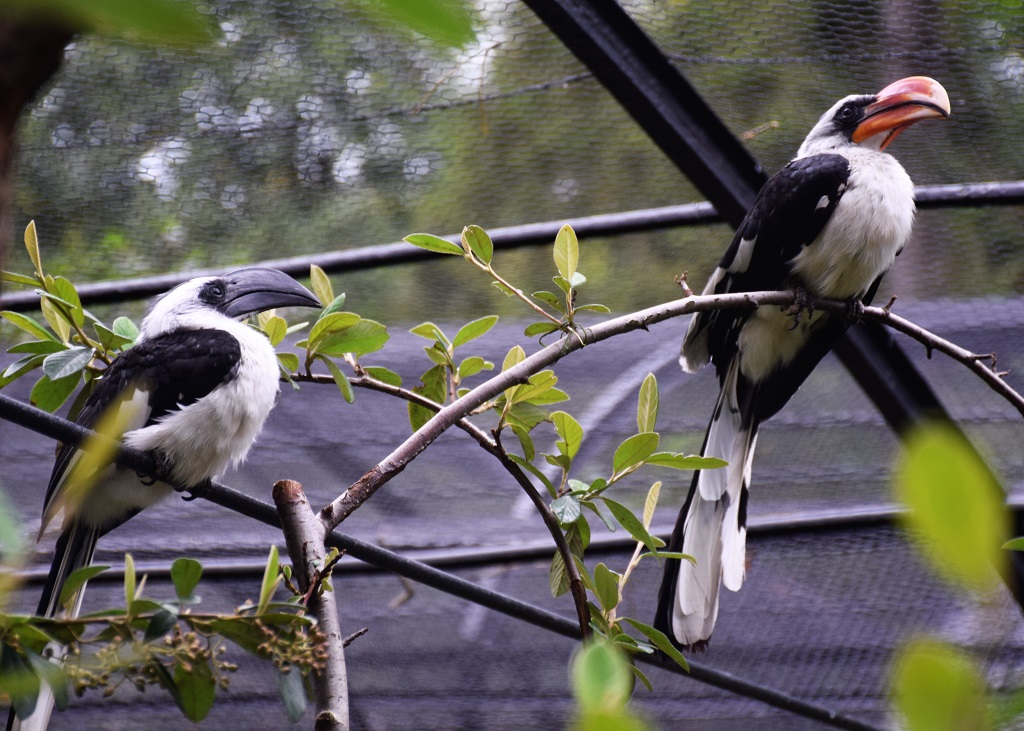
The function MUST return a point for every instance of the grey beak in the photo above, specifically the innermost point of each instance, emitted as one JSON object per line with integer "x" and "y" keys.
{"x": 256, "y": 289}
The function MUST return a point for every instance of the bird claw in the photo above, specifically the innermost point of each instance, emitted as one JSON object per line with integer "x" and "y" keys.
{"x": 854, "y": 310}
{"x": 161, "y": 471}
{"x": 803, "y": 301}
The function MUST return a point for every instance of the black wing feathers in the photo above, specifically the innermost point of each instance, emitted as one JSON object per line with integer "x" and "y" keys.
{"x": 177, "y": 369}
{"x": 789, "y": 213}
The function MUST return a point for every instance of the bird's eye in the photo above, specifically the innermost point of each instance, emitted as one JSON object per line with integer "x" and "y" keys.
{"x": 847, "y": 114}
{"x": 213, "y": 292}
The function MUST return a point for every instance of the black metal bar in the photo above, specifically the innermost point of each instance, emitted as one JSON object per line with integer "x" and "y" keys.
{"x": 506, "y": 237}
{"x": 61, "y": 429}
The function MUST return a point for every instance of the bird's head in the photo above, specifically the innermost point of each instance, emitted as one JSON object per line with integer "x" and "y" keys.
{"x": 873, "y": 121}
{"x": 200, "y": 302}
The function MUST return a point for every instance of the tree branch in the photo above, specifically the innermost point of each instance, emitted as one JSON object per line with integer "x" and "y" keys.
{"x": 305, "y": 535}
{"x": 578, "y": 591}
{"x": 394, "y": 463}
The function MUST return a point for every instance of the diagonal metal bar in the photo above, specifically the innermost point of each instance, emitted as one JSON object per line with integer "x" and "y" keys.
{"x": 69, "y": 432}
{"x": 661, "y": 100}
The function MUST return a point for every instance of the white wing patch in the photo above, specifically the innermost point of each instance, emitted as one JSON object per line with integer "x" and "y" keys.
{"x": 744, "y": 253}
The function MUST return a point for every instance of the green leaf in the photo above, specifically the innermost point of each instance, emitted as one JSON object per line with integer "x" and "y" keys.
{"x": 592, "y": 307}
{"x": 55, "y": 320}
{"x": 160, "y": 21}
{"x": 197, "y": 688}
{"x": 551, "y": 299}
{"x": 66, "y": 362}
{"x": 293, "y": 693}
{"x": 509, "y": 292}
{"x": 475, "y": 239}
{"x": 433, "y": 388}
{"x": 275, "y": 328}
{"x": 129, "y": 580}
{"x": 532, "y": 469}
{"x": 438, "y": 355}
{"x": 321, "y": 284}
{"x": 634, "y": 451}
{"x": 383, "y": 375}
{"x": 577, "y": 280}
{"x": 341, "y": 380}
{"x": 939, "y": 688}
{"x": 443, "y": 21}
{"x": 430, "y": 331}
{"x": 289, "y": 362}
{"x": 526, "y": 416}
{"x": 1015, "y": 544}
{"x": 567, "y": 252}
{"x": 20, "y": 367}
{"x": 434, "y": 243}
{"x": 159, "y": 625}
{"x": 335, "y": 322}
{"x": 650, "y": 503}
{"x": 16, "y": 278}
{"x": 562, "y": 282}
{"x": 185, "y": 573}
{"x": 558, "y": 577}
{"x": 660, "y": 641}
{"x": 540, "y": 328}
{"x": 51, "y": 674}
{"x": 109, "y": 339}
{"x": 957, "y": 512}
{"x": 366, "y": 336}
{"x": 38, "y": 347}
{"x": 567, "y": 509}
{"x": 570, "y": 431}
{"x": 26, "y": 323}
{"x": 66, "y": 291}
{"x": 631, "y": 523}
{"x": 49, "y": 395}
{"x": 335, "y": 305}
{"x": 32, "y": 246}
{"x": 525, "y": 441}
{"x": 473, "y": 365}
{"x": 126, "y": 329}
{"x": 537, "y": 385}
{"x": 474, "y": 330}
{"x": 600, "y": 678}
{"x": 647, "y": 404}
{"x": 76, "y": 580}
{"x": 685, "y": 462}
{"x": 550, "y": 396}
{"x": 607, "y": 583}
{"x": 271, "y": 579}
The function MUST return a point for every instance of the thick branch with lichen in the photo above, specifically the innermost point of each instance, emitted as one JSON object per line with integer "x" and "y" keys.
{"x": 305, "y": 535}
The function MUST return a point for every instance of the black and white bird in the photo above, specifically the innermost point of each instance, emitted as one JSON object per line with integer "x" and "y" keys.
{"x": 828, "y": 225}
{"x": 198, "y": 385}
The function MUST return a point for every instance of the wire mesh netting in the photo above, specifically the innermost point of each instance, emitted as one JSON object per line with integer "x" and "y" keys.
{"x": 311, "y": 127}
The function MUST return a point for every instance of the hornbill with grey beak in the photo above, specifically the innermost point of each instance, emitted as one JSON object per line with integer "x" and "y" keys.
{"x": 828, "y": 225}
{"x": 194, "y": 389}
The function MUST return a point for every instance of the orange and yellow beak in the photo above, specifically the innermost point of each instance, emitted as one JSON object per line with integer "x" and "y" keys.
{"x": 901, "y": 104}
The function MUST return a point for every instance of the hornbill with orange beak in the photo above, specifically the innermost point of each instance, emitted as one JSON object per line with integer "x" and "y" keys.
{"x": 827, "y": 225}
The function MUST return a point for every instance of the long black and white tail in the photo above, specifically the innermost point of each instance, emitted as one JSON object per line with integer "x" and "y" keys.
{"x": 711, "y": 528}
{"x": 74, "y": 549}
